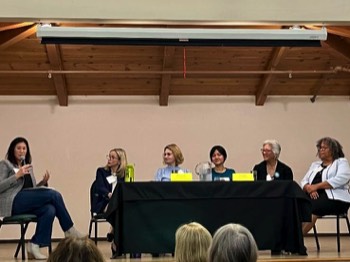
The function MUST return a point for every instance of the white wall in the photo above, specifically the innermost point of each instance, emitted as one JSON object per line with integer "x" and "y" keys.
{"x": 71, "y": 142}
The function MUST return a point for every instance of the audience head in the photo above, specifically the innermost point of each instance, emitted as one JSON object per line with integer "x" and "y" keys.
{"x": 218, "y": 154}
{"x": 117, "y": 158}
{"x": 331, "y": 144}
{"x": 172, "y": 155}
{"x": 192, "y": 243}
{"x": 72, "y": 249}
{"x": 233, "y": 243}
{"x": 18, "y": 147}
{"x": 271, "y": 149}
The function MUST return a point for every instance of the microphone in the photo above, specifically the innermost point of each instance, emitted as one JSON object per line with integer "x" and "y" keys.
{"x": 23, "y": 160}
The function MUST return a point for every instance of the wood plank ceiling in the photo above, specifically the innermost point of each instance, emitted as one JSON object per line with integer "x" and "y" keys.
{"x": 28, "y": 67}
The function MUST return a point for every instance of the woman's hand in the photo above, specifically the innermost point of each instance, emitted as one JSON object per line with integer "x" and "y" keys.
{"x": 46, "y": 177}
{"x": 310, "y": 188}
{"x": 23, "y": 170}
{"x": 314, "y": 195}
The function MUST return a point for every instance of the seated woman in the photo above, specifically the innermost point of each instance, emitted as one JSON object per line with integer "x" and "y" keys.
{"x": 327, "y": 181}
{"x": 107, "y": 178}
{"x": 271, "y": 168}
{"x": 231, "y": 243}
{"x": 218, "y": 157}
{"x": 20, "y": 194}
{"x": 73, "y": 249}
{"x": 172, "y": 158}
{"x": 192, "y": 242}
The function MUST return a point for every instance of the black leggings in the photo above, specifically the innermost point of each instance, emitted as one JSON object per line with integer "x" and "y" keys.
{"x": 324, "y": 206}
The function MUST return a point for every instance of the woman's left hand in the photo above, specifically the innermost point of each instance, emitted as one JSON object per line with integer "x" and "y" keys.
{"x": 310, "y": 188}
{"x": 314, "y": 195}
{"x": 46, "y": 177}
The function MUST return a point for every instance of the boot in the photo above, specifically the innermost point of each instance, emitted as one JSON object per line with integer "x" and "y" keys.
{"x": 33, "y": 251}
{"x": 73, "y": 232}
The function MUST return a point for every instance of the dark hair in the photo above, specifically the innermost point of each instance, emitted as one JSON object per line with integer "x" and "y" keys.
{"x": 10, "y": 155}
{"x": 73, "y": 249}
{"x": 335, "y": 147}
{"x": 220, "y": 149}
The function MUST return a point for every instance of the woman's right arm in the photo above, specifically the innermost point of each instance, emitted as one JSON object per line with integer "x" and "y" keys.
{"x": 101, "y": 188}
{"x": 7, "y": 176}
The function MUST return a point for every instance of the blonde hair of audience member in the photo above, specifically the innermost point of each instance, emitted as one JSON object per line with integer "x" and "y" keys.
{"x": 192, "y": 242}
{"x": 123, "y": 162}
{"x": 179, "y": 158}
{"x": 72, "y": 249}
{"x": 233, "y": 243}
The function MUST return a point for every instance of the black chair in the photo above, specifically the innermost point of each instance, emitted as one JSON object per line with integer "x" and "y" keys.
{"x": 23, "y": 221}
{"x": 95, "y": 218}
{"x": 337, "y": 217}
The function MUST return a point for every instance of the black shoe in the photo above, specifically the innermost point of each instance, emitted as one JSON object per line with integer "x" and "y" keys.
{"x": 135, "y": 255}
{"x": 110, "y": 237}
{"x": 155, "y": 254}
{"x": 276, "y": 253}
{"x": 115, "y": 253}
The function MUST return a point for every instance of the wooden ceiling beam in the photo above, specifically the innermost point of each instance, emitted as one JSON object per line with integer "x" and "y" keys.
{"x": 14, "y": 26}
{"x": 168, "y": 61}
{"x": 317, "y": 88}
{"x": 54, "y": 55}
{"x": 11, "y": 37}
{"x": 264, "y": 88}
{"x": 338, "y": 44}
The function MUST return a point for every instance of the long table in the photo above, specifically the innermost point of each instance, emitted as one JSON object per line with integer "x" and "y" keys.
{"x": 145, "y": 215}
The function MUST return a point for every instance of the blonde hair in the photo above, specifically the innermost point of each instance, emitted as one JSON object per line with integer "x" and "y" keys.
{"x": 179, "y": 158}
{"x": 192, "y": 242}
{"x": 73, "y": 249}
{"x": 122, "y": 159}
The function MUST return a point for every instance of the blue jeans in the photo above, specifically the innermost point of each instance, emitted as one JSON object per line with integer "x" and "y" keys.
{"x": 46, "y": 204}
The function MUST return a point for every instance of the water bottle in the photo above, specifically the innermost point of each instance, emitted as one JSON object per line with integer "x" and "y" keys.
{"x": 129, "y": 173}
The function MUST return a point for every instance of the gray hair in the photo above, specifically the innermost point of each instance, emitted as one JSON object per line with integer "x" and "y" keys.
{"x": 276, "y": 147}
{"x": 233, "y": 243}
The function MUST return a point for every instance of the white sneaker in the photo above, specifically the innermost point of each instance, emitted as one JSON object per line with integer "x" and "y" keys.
{"x": 72, "y": 232}
{"x": 33, "y": 251}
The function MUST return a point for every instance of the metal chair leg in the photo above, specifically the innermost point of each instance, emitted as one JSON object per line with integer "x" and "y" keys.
{"x": 96, "y": 233}
{"x": 21, "y": 243}
{"x": 316, "y": 238}
{"x": 338, "y": 234}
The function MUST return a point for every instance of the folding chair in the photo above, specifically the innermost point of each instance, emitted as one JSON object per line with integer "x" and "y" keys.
{"x": 337, "y": 217}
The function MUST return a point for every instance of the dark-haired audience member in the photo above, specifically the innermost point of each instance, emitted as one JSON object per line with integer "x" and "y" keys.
{"x": 218, "y": 157}
{"x": 233, "y": 243}
{"x": 73, "y": 249}
{"x": 192, "y": 242}
{"x": 327, "y": 181}
{"x": 272, "y": 168}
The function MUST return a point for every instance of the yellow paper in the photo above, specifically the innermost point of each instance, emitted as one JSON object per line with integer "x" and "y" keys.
{"x": 242, "y": 177}
{"x": 178, "y": 177}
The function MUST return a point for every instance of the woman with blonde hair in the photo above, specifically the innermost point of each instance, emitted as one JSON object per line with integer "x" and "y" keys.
{"x": 172, "y": 158}
{"x": 73, "y": 249}
{"x": 107, "y": 178}
{"x": 192, "y": 242}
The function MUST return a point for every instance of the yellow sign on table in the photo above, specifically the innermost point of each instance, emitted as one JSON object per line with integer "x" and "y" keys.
{"x": 242, "y": 177}
{"x": 180, "y": 177}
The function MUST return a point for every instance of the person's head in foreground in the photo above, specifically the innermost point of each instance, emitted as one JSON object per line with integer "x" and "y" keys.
{"x": 73, "y": 249}
{"x": 192, "y": 242}
{"x": 233, "y": 243}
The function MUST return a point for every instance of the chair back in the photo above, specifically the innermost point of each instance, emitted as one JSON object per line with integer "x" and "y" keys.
{"x": 93, "y": 198}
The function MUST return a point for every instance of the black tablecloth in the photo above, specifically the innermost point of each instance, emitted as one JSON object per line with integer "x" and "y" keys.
{"x": 145, "y": 215}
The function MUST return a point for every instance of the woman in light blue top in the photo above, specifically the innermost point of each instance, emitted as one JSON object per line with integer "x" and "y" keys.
{"x": 172, "y": 158}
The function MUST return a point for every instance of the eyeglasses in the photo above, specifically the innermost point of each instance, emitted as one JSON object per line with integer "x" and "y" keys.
{"x": 265, "y": 150}
{"x": 322, "y": 148}
{"x": 111, "y": 157}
